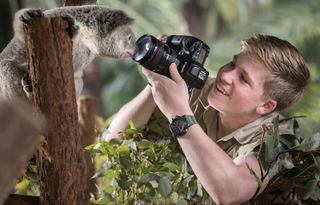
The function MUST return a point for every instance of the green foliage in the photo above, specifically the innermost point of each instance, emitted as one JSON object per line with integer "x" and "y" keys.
{"x": 146, "y": 168}
{"x": 299, "y": 165}
{"x": 28, "y": 184}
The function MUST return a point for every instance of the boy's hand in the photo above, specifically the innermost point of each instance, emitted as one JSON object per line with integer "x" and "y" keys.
{"x": 170, "y": 95}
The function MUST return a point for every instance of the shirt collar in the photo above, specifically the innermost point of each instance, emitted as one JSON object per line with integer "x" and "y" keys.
{"x": 203, "y": 98}
{"x": 244, "y": 134}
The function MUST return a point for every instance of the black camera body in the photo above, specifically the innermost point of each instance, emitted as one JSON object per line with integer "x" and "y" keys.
{"x": 187, "y": 52}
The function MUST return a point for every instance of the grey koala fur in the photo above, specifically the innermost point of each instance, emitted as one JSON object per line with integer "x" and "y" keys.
{"x": 97, "y": 30}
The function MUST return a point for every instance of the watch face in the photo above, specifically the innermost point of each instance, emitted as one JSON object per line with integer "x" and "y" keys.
{"x": 178, "y": 126}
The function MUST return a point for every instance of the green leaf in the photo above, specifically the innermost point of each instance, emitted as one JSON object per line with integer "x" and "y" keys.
{"x": 147, "y": 196}
{"x": 317, "y": 171}
{"x": 155, "y": 127}
{"x": 286, "y": 161}
{"x": 89, "y": 147}
{"x": 126, "y": 162}
{"x": 174, "y": 196}
{"x": 182, "y": 202}
{"x": 131, "y": 144}
{"x": 123, "y": 149}
{"x": 108, "y": 189}
{"x": 310, "y": 143}
{"x": 171, "y": 166}
{"x": 268, "y": 147}
{"x": 193, "y": 187}
{"x": 124, "y": 184}
{"x": 144, "y": 144}
{"x": 187, "y": 180}
{"x": 110, "y": 174}
{"x": 276, "y": 131}
{"x": 288, "y": 140}
{"x": 114, "y": 141}
{"x": 131, "y": 125}
{"x": 102, "y": 201}
{"x": 147, "y": 178}
{"x": 150, "y": 153}
{"x": 97, "y": 145}
{"x": 307, "y": 190}
{"x": 131, "y": 131}
{"x": 315, "y": 195}
{"x": 269, "y": 152}
{"x": 164, "y": 186}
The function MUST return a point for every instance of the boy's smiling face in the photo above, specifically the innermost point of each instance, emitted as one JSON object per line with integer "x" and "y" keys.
{"x": 238, "y": 89}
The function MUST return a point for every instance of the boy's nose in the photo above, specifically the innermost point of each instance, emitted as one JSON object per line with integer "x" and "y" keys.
{"x": 228, "y": 75}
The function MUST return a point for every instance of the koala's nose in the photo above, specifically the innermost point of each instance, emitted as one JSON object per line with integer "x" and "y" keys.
{"x": 136, "y": 49}
{"x": 132, "y": 51}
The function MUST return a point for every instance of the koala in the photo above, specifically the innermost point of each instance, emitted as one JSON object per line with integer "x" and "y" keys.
{"x": 95, "y": 29}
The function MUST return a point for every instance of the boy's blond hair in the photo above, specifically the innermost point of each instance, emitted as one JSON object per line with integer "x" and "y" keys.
{"x": 289, "y": 71}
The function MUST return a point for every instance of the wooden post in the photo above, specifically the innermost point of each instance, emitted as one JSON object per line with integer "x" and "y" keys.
{"x": 19, "y": 136}
{"x": 17, "y": 199}
{"x": 86, "y": 111}
{"x": 60, "y": 160}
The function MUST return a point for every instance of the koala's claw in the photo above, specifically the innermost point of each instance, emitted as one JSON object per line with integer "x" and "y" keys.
{"x": 26, "y": 83}
{"x": 29, "y": 14}
{"x": 73, "y": 28}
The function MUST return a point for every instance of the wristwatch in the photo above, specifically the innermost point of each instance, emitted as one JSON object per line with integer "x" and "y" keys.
{"x": 180, "y": 124}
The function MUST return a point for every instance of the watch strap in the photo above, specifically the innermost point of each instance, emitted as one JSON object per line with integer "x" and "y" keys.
{"x": 190, "y": 119}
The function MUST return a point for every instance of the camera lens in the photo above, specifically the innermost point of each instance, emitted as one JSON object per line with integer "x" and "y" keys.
{"x": 145, "y": 49}
{"x": 154, "y": 55}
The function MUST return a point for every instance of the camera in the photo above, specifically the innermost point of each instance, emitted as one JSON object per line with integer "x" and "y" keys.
{"x": 187, "y": 52}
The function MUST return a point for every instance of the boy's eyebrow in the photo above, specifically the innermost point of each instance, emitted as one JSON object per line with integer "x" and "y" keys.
{"x": 235, "y": 58}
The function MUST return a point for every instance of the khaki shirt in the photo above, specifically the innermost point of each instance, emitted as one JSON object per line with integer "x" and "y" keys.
{"x": 243, "y": 141}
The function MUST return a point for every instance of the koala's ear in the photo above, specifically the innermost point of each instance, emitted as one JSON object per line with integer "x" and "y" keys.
{"x": 130, "y": 20}
{"x": 125, "y": 19}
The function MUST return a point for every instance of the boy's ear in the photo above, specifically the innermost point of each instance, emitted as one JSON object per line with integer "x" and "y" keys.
{"x": 266, "y": 107}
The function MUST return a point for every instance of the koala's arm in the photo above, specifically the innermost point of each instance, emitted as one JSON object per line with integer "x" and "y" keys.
{"x": 13, "y": 63}
{"x": 13, "y": 67}
{"x": 21, "y": 17}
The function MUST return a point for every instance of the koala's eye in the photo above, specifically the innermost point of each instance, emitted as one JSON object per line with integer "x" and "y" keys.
{"x": 129, "y": 37}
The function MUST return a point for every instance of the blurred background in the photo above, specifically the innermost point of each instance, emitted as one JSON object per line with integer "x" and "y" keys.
{"x": 220, "y": 23}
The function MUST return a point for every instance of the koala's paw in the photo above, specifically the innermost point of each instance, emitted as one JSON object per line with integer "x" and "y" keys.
{"x": 29, "y": 14}
{"x": 73, "y": 28}
{"x": 26, "y": 84}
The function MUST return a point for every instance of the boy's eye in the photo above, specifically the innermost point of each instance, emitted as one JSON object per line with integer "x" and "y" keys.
{"x": 242, "y": 78}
